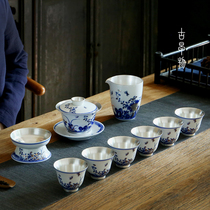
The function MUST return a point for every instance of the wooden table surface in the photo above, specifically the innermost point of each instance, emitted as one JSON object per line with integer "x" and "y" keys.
{"x": 176, "y": 178}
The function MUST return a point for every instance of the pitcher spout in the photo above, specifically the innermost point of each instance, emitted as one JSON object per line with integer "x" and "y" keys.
{"x": 108, "y": 81}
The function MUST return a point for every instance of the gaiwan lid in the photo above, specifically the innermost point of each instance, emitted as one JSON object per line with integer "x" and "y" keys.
{"x": 77, "y": 105}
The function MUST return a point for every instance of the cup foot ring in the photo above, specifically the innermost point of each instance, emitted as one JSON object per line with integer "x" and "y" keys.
{"x": 167, "y": 145}
{"x": 121, "y": 166}
{"x": 190, "y": 134}
{"x": 98, "y": 178}
{"x": 75, "y": 190}
{"x": 146, "y": 155}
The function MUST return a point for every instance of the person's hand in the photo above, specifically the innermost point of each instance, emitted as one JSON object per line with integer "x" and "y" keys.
{"x": 1, "y": 126}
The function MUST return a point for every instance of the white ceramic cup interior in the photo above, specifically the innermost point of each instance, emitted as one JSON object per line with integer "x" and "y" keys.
{"x": 70, "y": 165}
{"x": 97, "y": 153}
{"x": 146, "y": 131}
{"x": 189, "y": 112}
{"x": 123, "y": 142}
{"x": 167, "y": 122}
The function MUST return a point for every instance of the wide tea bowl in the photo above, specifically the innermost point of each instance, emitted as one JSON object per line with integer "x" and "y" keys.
{"x": 125, "y": 148}
{"x": 78, "y": 114}
{"x": 99, "y": 161}
{"x": 126, "y": 94}
{"x": 70, "y": 173}
{"x": 192, "y": 118}
{"x": 30, "y": 145}
{"x": 149, "y": 137}
{"x": 171, "y": 127}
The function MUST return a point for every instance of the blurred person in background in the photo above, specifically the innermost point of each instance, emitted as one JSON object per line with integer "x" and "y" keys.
{"x": 13, "y": 68}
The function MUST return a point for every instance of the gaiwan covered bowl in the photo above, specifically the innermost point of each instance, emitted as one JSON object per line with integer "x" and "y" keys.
{"x": 77, "y": 113}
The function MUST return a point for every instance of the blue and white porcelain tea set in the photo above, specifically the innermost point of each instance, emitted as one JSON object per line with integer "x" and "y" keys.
{"x": 78, "y": 124}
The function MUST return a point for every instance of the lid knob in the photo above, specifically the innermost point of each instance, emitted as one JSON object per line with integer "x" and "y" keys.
{"x": 77, "y": 101}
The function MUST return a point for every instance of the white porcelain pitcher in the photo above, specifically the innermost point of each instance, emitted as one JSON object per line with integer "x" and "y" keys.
{"x": 126, "y": 93}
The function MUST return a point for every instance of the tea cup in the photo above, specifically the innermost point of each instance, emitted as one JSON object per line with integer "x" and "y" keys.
{"x": 125, "y": 148}
{"x": 171, "y": 127}
{"x": 70, "y": 173}
{"x": 99, "y": 161}
{"x": 149, "y": 137}
{"x": 192, "y": 118}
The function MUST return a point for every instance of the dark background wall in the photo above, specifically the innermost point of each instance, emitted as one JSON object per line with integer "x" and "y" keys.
{"x": 74, "y": 46}
{"x": 192, "y": 16}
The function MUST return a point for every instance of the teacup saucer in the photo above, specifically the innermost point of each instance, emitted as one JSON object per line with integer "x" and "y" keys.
{"x": 96, "y": 129}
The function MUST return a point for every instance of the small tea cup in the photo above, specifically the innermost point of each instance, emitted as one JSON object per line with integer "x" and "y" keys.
{"x": 192, "y": 118}
{"x": 149, "y": 137}
{"x": 125, "y": 148}
{"x": 70, "y": 173}
{"x": 99, "y": 161}
{"x": 171, "y": 127}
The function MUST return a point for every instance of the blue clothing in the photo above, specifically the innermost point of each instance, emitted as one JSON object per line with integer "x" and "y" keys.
{"x": 13, "y": 67}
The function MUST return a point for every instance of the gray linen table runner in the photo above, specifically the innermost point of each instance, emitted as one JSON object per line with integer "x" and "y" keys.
{"x": 37, "y": 185}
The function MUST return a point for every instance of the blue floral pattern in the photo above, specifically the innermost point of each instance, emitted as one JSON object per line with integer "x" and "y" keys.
{"x": 70, "y": 185}
{"x": 122, "y": 162}
{"x": 188, "y": 130}
{"x": 99, "y": 173}
{"x": 168, "y": 140}
{"x": 145, "y": 150}
{"x": 71, "y": 109}
{"x": 31, "y": 156}
{"x": 171, "y": 137}
{"x": 128, "y": 108}
{"x": 72, "y": 126}
{"x": 148, "y": 146}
